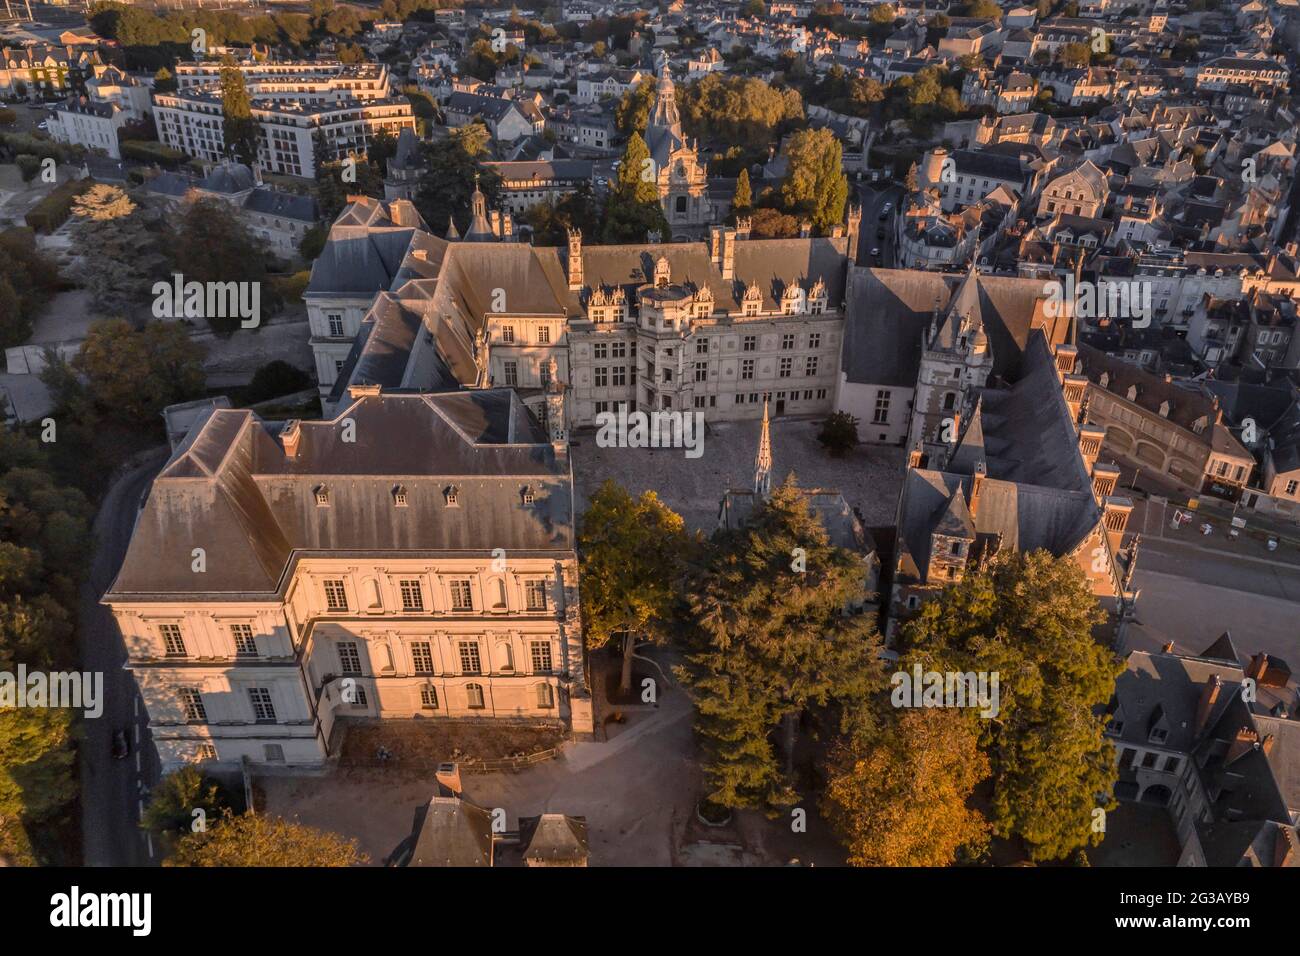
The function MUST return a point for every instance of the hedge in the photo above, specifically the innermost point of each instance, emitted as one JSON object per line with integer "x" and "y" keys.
{"x": 53, "y": 211}
{"x": 148, "y": 151}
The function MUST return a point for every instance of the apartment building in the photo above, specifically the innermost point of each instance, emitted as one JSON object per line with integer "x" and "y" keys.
{"x": 301, "y": 109}
{"x": 412, "y": 557}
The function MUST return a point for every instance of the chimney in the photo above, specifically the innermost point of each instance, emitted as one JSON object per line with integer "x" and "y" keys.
{"x": 1066, "y": 358}
{"x": 1104, "y": 480}
{"x": 1283, "y": 845}
{"x": 1258, "y": 664}
{"x": 743, "y": 226}
{"x": 914, "y": 457}
{"x": 1168, "y": 648}
{"x": 1090, "y": 439}
{"x": 1074, "y": 387}
{"x": 359, "y": 390}
{"x": 494, "y": 222}
{"x": 728, "y": 261}
{"x": 291, "y": 437}
{"x": 977, "y": 486}
{"x": 1205, "y": 706}
{"x": 1245, "y": 741}
{"x": 1114, "y": 517}
{"x": 853, "y": 226}
{"x": 448, "y": 776}
{"x": 1266, "y": 744}
{"x": 715, "y": 244}
{"x": 575, "y": 259}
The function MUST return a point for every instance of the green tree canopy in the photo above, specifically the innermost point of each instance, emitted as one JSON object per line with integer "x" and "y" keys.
{"x": 815, "y": 185}
{"x": 255, "y": 840}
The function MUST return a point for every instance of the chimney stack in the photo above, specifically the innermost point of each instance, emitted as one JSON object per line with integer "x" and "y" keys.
{"x": 977, "y": 486}
{"x": 575, "y": 259}
{"x": 291, "y": 437}
{"x": 1209, "y": 697}
{"x": 728, "y": 262}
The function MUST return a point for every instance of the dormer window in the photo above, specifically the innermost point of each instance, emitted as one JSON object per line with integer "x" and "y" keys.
{"x": 528, "y": 495}
{"x": 322, "y": 496}
{"x": 1132, "y": 393}
{"x": 452, "y": 496}
{"x": 399, "y": 496}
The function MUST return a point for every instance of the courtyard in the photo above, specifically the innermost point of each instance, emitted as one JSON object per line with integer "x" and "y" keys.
{"x": 869, "y": 477}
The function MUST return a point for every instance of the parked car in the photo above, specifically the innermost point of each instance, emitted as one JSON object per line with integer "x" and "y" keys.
{"x": 121, "y": 745}
{"x": 43, "y": 124}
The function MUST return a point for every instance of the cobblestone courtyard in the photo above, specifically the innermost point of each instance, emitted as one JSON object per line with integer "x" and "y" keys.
{"x": 869, "y": 477}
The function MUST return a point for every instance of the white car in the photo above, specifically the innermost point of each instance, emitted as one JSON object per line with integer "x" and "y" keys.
{"x": 875, "y": 252}
{"x": 43, "y": 125}
{"x": 887, "y": 206}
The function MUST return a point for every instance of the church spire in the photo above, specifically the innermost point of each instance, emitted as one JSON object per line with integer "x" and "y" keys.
{"x": 763, "y": 461}
{"x": 665, "y": 113}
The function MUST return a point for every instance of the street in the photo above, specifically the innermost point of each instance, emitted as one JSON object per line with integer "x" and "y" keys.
{"x": 873, "y": 198}
{"x": 113, "y": 791}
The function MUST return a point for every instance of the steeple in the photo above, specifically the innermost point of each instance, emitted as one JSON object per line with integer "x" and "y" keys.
{"x": 763, "y": 461}
{"x": 480, "y": 230}
{"x": 452, "y": 232}
{"x": 665, "y": 113}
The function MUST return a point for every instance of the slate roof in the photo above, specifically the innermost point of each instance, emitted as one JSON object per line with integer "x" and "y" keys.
{"x": 554, "y": 839}
{"x": 453, "y": 833}
{"x": 232, "y": 489}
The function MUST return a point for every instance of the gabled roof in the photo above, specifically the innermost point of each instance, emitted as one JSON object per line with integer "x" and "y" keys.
{"x": 453, "y": 833}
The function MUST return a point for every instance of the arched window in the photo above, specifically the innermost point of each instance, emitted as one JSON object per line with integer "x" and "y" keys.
{"x": 428, "y": 697}
{"x": 681, "y": 204}
{"x": 474, "y": 696}
{"x": 545, "y": 696}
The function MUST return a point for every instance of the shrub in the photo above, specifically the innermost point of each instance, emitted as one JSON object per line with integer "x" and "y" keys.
{"x": 839, "y": 433}
{"x": 276, "y": 379}
{"x": 146, "y": 151}
{"x": 53, "y": 211}
{"x": 29, "y": 166}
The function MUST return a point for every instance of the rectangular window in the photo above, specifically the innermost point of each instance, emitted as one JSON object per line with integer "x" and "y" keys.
{"x": 359, "y": 698}
{"x": 349, "y": 658}
{"x": 701, "y": 371}
{"x": 814, "y": 340}
{"x": 1292, "y": 486}
{"x": 786, "y": 368}
{"x": 746, "y": 368}
{"x": 207, "y": 752}
{"x": 474, "y": 696}
{"x": 192, "y": 704}
{"x": 172, "y": 640}
{"x": 412, "y": 595}
{"x": 535, "y": 595}
{"x": 702, "y": 346}
{"x": 620, "y": 375}
{"x": 600, "y": 351}
{"x": 544, "y": 334}
{"x": 469, "y": 658}
{"x": 336, "y": 598}
{"x": 422, "y": 657}
{"x": 263, "y": 709}
{"x": 881, "y": 415}
{"x": 787, "y": 342}
{"x": 541, "y": 655}
{"x": 507, "y": 333}
{"x": 810, "y": 365}
{"x": 461, "y": 598}
{"x": 245, "y": 645}
{"x": 618, "y": 349}
{"x": 336, "y": 326}
{"x": 429, "y": 697}
{"x": 602, "y": 376}
{"x": 750, "y": 343}
{"x": 511, "y": 373}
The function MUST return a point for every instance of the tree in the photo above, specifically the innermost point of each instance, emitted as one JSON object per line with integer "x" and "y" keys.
{"x": 211, "y": 244}
{"x": 237, "y": 125}
{"x": 632, "y": 209}
{"x": 455, "y": 168}
{"x": 769, "y": 223}
{"x": 123, "y": 248}
{"x": 815, "y": 185}
{"x": 738, "y": 109}
{"x": 743, "y": 199}
{"x": 276, "y": 379}
{"x": 551, "y": 222}
{"x": 1076, "y": 55}
{"x": 173, "y": 801}
{"x": 1029, "y": 618}
{"x": 129, "y": 375}
{"x": 899, "y": 797}
{"x": 28, "y": 278}
{"x": 103, "y": 203}
{"x": 633, "y": 110}
{"x": 839, "y": 434}
{"x": 254, "y": 840}
{"x": 630, "y": 555}
{"x": 772, "y": 634}
{"x": 163, "y": 81}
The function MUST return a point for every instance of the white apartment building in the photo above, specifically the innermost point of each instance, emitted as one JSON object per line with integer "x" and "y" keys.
{"x": 411, "y": 558}
{"x": 92, "y": 125}
{"x": 294, "y": 105}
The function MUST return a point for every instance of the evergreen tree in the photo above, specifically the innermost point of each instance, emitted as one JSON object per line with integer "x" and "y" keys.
{"x": 1029, "y": 618}
{"x": 743, "y": 200}
{"x": 633, "y": 209}
{"x": 237, "y": 125}
{"x": 772, "y": 634}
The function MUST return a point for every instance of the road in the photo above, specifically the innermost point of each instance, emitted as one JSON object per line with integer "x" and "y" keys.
{"x": 113, "y": 791}
{"x": 873, "y": 198}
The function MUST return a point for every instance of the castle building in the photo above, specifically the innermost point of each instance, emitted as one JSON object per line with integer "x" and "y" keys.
{"x": 709, "y": 326}
{"x": 412, "y": 556}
